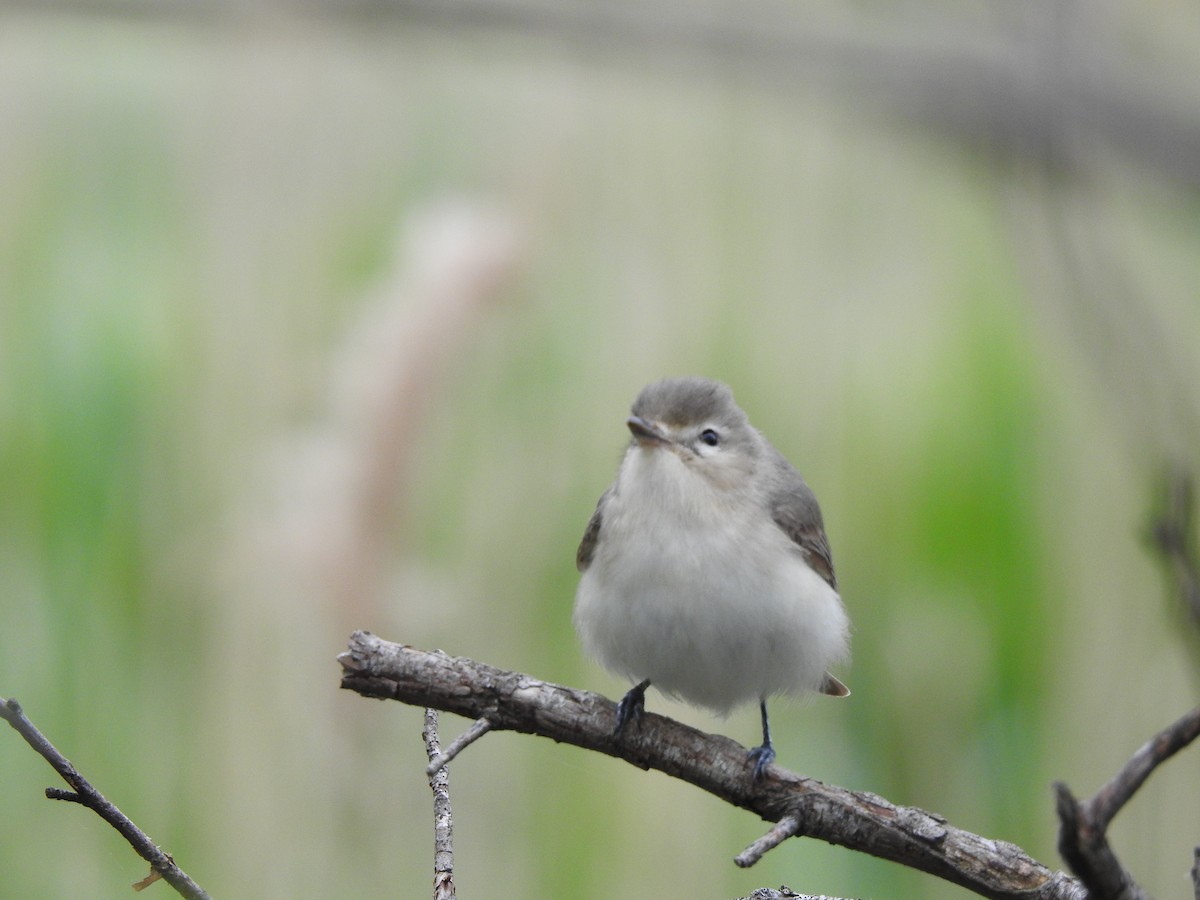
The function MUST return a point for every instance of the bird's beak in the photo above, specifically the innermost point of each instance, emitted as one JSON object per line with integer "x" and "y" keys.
{"x": 646, "y": 434}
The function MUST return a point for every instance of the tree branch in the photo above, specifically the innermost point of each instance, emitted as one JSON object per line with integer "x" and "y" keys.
{"x": 1084, "y": 845}
{"x": 82, "y": 792}
{"x": 1082, "y": 838}
{"x": 512, "y": 701}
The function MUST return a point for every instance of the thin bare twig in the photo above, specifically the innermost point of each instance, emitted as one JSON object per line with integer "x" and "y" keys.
{"x": 1108, "y": 801}
{"x": 443, "y": 818}
{"x": 512, "y": 701}
{"x": 82, "y": 792}
{"x": 788, "y": 826}
{"x": 478, "y": 729}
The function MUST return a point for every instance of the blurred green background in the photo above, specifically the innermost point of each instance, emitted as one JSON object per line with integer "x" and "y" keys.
{"x": 320, "y": 321}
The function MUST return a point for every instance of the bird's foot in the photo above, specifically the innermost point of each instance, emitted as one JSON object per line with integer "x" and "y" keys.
{"x": 631, "y": 707}
{"x": 761, "y": 757}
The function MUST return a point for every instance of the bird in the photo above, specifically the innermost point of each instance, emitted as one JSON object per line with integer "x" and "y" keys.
{"x": 705, "y": 569}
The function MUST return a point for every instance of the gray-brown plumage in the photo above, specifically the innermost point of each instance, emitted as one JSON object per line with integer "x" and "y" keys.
{"x": 705, "y": 565}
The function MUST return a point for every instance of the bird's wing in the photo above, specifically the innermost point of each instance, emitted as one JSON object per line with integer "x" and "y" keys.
{"x": 794, "y": 509}
{"x": 587, "y": 546}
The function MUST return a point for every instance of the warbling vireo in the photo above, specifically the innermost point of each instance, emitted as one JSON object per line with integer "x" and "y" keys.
{"x": 706, "y": 570}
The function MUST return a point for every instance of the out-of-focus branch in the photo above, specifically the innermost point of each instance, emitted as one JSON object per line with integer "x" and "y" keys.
{"x": 453, "y": 265}
{"x": 335, "y": 489}
{"x": 1016, "y": 89}
{"x": 1083, "y": 829}
{"x": 83, "y": 793}
{"x": 1173, "y": 534}
{"x": 860, "y": 821}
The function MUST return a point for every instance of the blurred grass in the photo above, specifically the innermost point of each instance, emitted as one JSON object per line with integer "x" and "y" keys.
{"x": 189, "y": 218}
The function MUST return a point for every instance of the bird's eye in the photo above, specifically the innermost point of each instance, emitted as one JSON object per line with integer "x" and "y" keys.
{"x": 710, "y": 437}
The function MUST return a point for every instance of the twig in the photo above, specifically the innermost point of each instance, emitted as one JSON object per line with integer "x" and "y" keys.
{"x": 1108, "y": 801}
{"x": 788, "y": 826}
{"x": 478, "y": 729}
{"x": 1196, "y": 873}
{"x": 82, "y": 792}
{"x": 443, "y": 818}
{"x": 1082, "y": 838}
{"x": 512, "y": 701}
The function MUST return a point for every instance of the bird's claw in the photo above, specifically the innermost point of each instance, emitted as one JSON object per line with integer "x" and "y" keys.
{"x": 761, "y": 757}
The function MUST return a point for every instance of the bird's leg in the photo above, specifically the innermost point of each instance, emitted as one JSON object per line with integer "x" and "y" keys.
{"x": 764, "y": 755}
{"x": 631, "y": 706}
